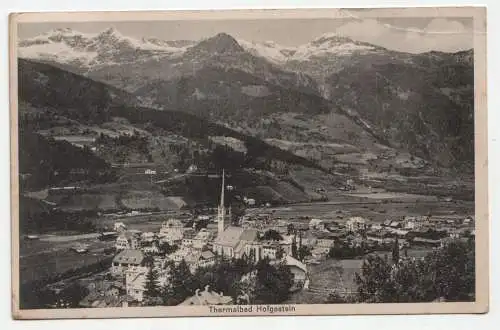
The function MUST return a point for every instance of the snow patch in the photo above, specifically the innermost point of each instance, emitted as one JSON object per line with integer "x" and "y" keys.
{"x": 268, "y": 50}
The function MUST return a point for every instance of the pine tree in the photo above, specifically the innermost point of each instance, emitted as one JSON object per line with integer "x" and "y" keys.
{"x": 294, "y": 249}
{"x": 152, "y": 287}
{"x": 395, "y": 251}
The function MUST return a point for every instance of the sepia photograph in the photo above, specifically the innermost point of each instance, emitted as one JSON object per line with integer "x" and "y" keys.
{"x": 249, "y": 162}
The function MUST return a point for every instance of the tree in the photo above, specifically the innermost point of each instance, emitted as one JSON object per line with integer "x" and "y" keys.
{"x": 290, "y": 229}
{"x": 303, "y": 252}
{"x": 271, "y": 235}
{"x": 447, "y": 273}
{"x": 151, "y": 285}
{"x": 182, "y": 284}
{"x": 294, "y": 249}
{"x": 395, "y": 251}
{"x": 280, "y": 253}
{"x": 273, "y": 283}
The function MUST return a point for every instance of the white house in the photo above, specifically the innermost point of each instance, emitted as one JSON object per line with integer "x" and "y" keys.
{"x": 148, "y": 237}
{"x": 171, "y": 235}
{"x": 316, "y": 224}
{"x": 119, "y": 226}
{"x": 355, "y": 224}
{"x": 128, "y": 241}
{"x": 299, "y": 272}
{"x": 201, "y": 239}
{"x": 249, "y": 201}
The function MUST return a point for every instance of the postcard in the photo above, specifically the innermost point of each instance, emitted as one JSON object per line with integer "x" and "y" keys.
{"x": 249, "y": 162}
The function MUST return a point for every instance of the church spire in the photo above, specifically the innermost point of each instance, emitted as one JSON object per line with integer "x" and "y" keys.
{"x": 222, "y": 191}
{"x": 221, "y": 210}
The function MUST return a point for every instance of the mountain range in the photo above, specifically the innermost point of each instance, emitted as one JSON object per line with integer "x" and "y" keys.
{"x": 332, "y": 101}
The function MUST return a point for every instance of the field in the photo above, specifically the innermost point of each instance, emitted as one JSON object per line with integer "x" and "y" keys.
{"x": 44, "y": 258}
{"x": 336, "y": 276}
{"x": 374, "y": 210}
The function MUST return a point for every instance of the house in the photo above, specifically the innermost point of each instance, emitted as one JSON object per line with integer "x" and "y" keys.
{"x": 128, "y": 241}
{"x": 148, "y": 237}
{"x": 151, "y": 248}
{"x": 403, "y": 244}
{"x": 108, "y": 235}
{"x": 355, "y": 224}
{"x": 119, "y": 226}
{"x": 171, "y": 234}
{"x": 201, "y": 239}
{"x": 181, "y": 254}
{"x": 387, "y": 223}
{"x": 325, "y": 243}
{"x": 413, "y": 223}
{"x": 135, "y": 282}
{"x": 98, "y": 300}
{"x": 427, "y": 241}
{"x": 171, "y": 223}
{"x": 207, "y": 297}
{"x": 286, "y": 243}
{"x": 467, "y": 221}
{"x": 399, "y": 232}
{"x": 188, "y": 236}
{"x": 322, "y": 248}
{"x": 192, "y": 168}
{"x": 299, "y": 273}
{"x": 395, "y": 224}
{"x": 316, "y": 224}
{"x": 126, "y": 259}
{"x": 249, "y": 201}
{"x": 263, "y": 250}
{"x": 100, "y": 290}
{"x": 205, "y": 259}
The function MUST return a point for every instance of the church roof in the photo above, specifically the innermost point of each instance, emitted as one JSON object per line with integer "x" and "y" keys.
{"x": 232, "y": 235}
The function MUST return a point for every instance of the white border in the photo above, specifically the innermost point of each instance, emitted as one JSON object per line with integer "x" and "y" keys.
{"x": 456, "y": 322}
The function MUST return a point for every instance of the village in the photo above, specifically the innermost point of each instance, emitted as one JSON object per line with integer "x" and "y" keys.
{"x": 298, "y": 244}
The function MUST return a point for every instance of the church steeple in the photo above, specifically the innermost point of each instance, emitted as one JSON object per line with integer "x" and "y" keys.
{"x": 221, "y": 210}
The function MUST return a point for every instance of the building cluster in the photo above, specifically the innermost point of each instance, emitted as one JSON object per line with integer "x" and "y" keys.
{"x": 138, "y": 253}
{"x": 295, "y": 243}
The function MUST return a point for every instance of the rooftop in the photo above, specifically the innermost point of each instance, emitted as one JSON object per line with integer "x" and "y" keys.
{"x": 233, "y": 235}
{"x": 207, "y": 297}
{"x": 134, "y": 257}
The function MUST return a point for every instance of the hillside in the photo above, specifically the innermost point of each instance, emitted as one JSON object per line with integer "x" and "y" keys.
{"x": 425, "y": 108}
{"x": 46, "y": 162}
{"x": 121, "y": 132}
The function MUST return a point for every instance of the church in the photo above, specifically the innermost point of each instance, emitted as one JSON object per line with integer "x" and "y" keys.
{"x": 231, "y": 240}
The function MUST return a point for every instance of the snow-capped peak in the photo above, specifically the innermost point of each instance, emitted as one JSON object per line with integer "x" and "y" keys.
{"x": 267, "y": 49}
{"x": 331, "y": 44}
{"x": 89, "y": 49}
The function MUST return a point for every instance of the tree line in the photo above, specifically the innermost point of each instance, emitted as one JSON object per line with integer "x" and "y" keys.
{"x": 260, "y": 283}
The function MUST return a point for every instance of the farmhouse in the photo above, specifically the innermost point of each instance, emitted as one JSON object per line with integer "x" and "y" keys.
{"x": 126, "y": 259}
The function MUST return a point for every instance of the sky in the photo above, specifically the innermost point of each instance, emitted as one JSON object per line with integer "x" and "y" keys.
{"x": 406, "y": 34}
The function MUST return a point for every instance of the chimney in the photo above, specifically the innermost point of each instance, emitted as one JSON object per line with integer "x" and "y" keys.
{"x": 207, "y": 287}
{"x": 221, "y": 294}
{"x": 197, "y": 292}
